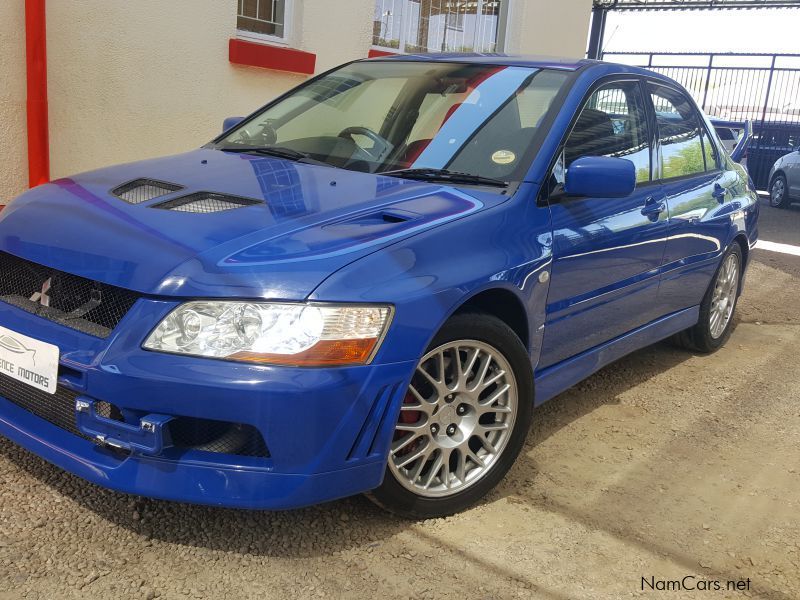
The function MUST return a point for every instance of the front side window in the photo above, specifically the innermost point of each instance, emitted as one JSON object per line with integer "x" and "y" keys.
{"x": 680, "y": 133}
{"x": 440, "y": 25}
{"x": 376, "y": 117}
{"x": 613, "y": 123}
{"x": 266, "y": 19}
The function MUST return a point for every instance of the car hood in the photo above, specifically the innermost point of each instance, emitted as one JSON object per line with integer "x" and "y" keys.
{"x": 309, "y": 222}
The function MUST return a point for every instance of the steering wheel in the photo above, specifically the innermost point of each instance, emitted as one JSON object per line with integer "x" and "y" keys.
{"x": 265, "y": 136}
{"x": 380, "y": 145}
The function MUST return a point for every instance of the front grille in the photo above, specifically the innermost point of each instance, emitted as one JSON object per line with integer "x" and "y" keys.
{"x": 76, "y": 302}
{"x": 206, "y": 202}
{"x": 58, "y": 408}
{"x": 142, "y": 190}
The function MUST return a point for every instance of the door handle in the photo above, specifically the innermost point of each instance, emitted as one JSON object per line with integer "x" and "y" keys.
{"x": 719, "y": 193}
{"x": 653, "y": 208}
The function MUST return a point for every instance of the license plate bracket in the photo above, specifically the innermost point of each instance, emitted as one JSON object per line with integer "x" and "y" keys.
{"x": 149, "y": 437}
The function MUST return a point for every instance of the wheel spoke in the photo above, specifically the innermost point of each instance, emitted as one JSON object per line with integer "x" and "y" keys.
{"x": 445, "y": 469}
{"x": 475, "y": 458}
{"x": 437, "y": 385}
{"x": 493, "y": 379}
{"x": 412, "y": 427}
{"x": 403, "y": 442}
{"x": 461, "y": 466}
{"x": 421, "y": 405}
{"x": 459, "y": 368}
{"x": 489, "y": 427}
{"x": 442, "y": 373}
{"x": 483, "y": 369}
{"x": 421, "y": 453}
{"x": 487, "y": 445}
{"x": 471, "y": 362}
{"x": 434, "y": 470}
{"x": 495, "y": 396}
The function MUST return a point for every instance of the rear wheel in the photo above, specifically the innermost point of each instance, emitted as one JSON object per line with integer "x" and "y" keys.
{"x": 716, "y": 311}
{"x": 463, "y": 421}
{"x": 779, "y": 192}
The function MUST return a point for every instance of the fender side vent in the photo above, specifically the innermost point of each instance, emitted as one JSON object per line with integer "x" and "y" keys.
{"x": 142, "y": 190}
{"x": 206, "y": 202}
{"x": 376, "y": 430}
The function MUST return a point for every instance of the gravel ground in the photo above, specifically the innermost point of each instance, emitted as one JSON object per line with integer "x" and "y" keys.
{"x": 662, "y": 465}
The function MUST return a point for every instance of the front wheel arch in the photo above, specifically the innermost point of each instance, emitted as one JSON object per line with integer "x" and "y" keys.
{"x": 397, "y": 497}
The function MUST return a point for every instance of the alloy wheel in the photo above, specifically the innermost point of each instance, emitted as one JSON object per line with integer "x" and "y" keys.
{"x": 723, "y": 298}
{"x": 456, "y": 419}
{"x": 777, "y": 193}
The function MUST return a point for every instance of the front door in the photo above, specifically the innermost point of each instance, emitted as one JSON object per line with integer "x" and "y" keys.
{"x": 606, "y": 251}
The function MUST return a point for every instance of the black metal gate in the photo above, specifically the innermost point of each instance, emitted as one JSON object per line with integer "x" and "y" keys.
{"x": 764, "y": 88}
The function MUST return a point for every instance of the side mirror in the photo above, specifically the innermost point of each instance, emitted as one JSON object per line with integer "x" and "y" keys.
{"x": 600, "y": 177}
{"x": 230, "y": 123}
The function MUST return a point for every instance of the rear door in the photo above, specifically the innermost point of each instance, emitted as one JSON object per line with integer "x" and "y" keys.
{"x": 606, "y": 251}
{"x": 700, "y": 197}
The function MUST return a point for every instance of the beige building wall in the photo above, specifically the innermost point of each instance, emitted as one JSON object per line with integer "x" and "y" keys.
{"x": 133, "y": 80}
{"x": 550, "y": 27}
{"x": 13, "y": 130}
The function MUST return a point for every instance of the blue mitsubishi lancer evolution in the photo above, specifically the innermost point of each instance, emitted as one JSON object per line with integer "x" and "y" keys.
{"x": 368, "y": 284}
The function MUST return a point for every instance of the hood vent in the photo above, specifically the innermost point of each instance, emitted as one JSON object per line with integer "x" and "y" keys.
{"x": 206, "y": 202}
{"x": 142, "y": 190}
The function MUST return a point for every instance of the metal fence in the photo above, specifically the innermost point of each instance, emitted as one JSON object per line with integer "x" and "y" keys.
{"x": 764, "y": 88}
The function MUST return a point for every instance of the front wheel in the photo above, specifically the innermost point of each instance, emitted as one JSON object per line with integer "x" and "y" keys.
{"x": 463, "y": 420}
{"x": 716, "y": 311}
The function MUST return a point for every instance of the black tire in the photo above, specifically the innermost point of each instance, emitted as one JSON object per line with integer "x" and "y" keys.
{"x": 490, "y": 330}
{"x": 699, "y": 337}
{"x": 779, "y": 192}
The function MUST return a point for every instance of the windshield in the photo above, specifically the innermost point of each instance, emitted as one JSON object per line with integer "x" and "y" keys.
{"x": 378, "y": 117}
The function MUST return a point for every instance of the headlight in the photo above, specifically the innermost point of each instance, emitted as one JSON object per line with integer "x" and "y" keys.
{"x": 273, "y": 333}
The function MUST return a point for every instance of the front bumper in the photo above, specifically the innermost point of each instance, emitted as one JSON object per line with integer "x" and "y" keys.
{"x": 327, "y": 430}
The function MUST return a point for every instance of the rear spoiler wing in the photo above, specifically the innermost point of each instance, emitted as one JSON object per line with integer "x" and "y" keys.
{"x": 739, "y": 151}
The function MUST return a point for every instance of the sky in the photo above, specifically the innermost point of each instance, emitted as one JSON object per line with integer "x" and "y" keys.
{"x": 750, "y": 31}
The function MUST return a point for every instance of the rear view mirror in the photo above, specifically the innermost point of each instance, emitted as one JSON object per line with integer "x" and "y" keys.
{"x": 230, "y": 123}
{"x": 600, "y": 177}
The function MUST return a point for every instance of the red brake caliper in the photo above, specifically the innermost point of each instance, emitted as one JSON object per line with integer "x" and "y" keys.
{"x": 407, "y": 417}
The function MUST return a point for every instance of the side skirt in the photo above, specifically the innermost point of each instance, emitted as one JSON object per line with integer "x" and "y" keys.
{"x": 555, "y": 379}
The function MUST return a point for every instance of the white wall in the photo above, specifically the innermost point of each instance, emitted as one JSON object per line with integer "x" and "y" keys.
{"x": 132, "y": 80}
{"x": 13, "y": 130}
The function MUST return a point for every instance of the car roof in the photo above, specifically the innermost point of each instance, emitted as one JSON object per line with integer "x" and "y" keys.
{"x": 514, "y": 60}
{"x": 506, "y": 60}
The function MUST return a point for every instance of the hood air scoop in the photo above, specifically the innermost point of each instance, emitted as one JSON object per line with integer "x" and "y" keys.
{"x": 206, "y": 202}
{"x": 142, "y": 190}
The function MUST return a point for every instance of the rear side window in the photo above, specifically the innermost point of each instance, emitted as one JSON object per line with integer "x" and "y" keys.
{"x": 686, "y": 147}
{"x": 612, "y": 123}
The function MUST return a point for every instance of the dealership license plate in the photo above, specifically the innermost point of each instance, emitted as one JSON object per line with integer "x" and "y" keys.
{"x": 28, "y": 360}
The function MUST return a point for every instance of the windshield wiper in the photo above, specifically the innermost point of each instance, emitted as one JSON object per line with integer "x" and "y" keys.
{"x": 429, "y": 174}
{"x": 277, "y": 152}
